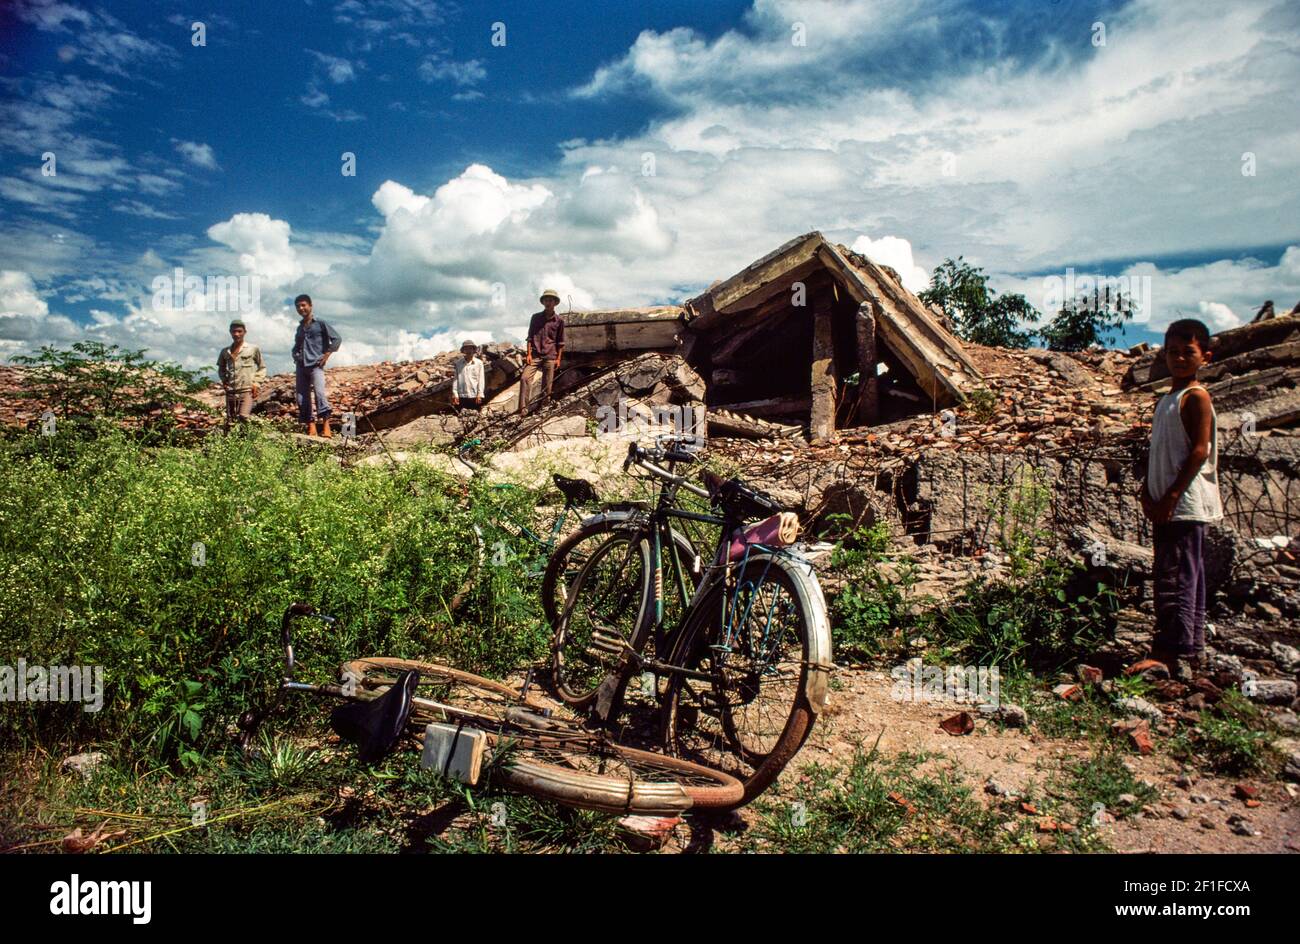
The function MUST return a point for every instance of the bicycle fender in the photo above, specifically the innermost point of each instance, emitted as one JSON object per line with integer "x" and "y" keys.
{"x": 612, "y": 517}
{"x": 820, "y": 657}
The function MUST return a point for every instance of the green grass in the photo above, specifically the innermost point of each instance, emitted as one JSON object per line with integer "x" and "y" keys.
{"x": 291, "y": 798}
{"x": 878, "y": 804}
{"x": 1232, "y": 738}
{"x": 99, "y": 567}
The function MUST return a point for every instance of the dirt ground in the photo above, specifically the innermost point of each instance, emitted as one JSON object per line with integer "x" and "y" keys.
{"x": 861, "y": 710}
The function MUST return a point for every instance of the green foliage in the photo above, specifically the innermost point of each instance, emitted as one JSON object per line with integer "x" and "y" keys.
{"x": 979, "y": 313}
{"x": 1045, "y": 612}
{"x": 1232, "y": 738}
{"x": 873, "y": 604}
{"x": 99, "y": 567}
{"x": 983, "y": 404}
{"x": 95, "y": 382}
{"x": 1103, "y": 778}
{"x": 1088, "y": 322}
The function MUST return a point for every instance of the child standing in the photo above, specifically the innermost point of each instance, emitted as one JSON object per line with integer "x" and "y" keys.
{"x": 1180, "y": 495}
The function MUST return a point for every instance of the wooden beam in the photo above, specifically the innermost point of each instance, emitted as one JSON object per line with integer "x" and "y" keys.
{"x": 867, "y": 410}
{"x": 777, "y": 405}
{"x": 725, "y": 423}
{"x": 822, "y": 420}
{"x": 936, "y": 370}
{"x": 772, "y": 268}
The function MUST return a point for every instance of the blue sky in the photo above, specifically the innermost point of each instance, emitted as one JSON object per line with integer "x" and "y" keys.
{"x": 626, "y": 153}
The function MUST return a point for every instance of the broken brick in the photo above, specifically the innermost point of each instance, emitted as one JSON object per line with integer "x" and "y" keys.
{"x": 959, "y": 724}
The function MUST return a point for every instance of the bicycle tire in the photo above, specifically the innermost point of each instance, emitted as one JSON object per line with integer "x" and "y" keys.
{"x": 552, "y": 758}
{"x": 578, "y": 663}
{"x": 703, "y": 720}
{"x": 566, "y": 561}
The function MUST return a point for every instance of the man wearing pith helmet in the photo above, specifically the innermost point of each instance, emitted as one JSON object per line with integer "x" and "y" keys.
{"x": 240, "y": 369}
{"x": 544, "y": 350}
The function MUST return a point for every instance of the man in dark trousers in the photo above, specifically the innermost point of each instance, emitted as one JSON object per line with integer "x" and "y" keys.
{"x": 544, "y": 350}
{"x": 313, "y": 344}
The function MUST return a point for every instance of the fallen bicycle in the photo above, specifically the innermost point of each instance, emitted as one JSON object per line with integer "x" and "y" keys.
{"x": 475, "y": 729}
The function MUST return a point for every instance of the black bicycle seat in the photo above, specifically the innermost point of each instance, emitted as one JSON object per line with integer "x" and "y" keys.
{"x": 677, "y": 455}
{"x": 575, "y": 491}
{"x": 376, "y": 725}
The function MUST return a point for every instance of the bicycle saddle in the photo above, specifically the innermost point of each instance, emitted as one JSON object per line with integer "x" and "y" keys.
{"x": 575, "y": 491}
{"x": 376, "y": 725}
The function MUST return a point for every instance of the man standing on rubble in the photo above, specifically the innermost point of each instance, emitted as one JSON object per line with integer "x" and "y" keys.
{"x": 545, "y": 348}
{"x": 313, "y": 344}
{"x": 467, "y": 389}
{"x": 240, "y": 369}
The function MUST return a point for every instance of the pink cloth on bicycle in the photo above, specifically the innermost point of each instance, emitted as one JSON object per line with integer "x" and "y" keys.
{"x": 777, "y": 531}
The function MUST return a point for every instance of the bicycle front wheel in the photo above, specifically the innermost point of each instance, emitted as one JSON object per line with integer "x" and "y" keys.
{"x": 745, "y": 707}
{"x": 546, "y": 755}
{"x": 606, "y": 612}
{"x": 568, "y": 559}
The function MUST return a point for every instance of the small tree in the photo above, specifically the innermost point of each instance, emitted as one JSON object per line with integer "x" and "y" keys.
{"x": 979, "y": 313}
{"x": 1089, "y": 321}
{"x": 101, "y": 380}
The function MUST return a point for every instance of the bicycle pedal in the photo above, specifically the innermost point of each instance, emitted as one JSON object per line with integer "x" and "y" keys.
{"x": 603, "y": 640}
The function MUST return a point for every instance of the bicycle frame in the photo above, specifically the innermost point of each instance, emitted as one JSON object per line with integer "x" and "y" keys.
{"x": 720, "y": 571}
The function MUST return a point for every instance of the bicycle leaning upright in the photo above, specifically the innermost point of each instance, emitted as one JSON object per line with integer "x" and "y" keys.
{"x": 742, "y": 670}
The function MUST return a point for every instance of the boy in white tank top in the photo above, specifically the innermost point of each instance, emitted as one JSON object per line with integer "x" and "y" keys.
{"x": 1180, "y": 495}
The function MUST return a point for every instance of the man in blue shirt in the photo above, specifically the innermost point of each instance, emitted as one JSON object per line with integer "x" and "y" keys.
{"x": 313, "y": 344}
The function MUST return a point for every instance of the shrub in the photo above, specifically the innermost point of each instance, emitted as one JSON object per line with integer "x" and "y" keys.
{"x": 170, "y": 568}
{"x": 873, "y": 604}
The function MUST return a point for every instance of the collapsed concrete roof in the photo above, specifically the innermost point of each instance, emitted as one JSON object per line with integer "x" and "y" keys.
{"x": 798, "y": 335}
{"x": 932, "y": 354}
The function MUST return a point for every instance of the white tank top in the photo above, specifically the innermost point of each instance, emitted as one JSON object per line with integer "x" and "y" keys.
{"x": 1170, "y": 446}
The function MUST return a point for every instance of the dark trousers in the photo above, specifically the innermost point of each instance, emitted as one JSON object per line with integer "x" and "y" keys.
{"x": 239, "y": 406}
{"x": 1180, "y": 587}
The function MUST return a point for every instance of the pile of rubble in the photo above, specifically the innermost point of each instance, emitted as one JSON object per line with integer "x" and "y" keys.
{"x": 1253, "y": 377}
{"x": 1044, "y": 398}
{"x": 387, "y": 394}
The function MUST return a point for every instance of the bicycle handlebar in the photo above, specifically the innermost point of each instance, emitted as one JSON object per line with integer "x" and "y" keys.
{"x": 636, "y": 455}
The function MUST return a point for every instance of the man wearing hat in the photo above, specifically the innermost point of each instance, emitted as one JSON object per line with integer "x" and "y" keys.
{"x": 467, "y": 391}
{"x": 545, "y": 347}
{"x": 241, "y": 369}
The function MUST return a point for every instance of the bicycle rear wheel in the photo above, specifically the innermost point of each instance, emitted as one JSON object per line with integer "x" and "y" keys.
{"x": 750, "y": 713}
{"x": 549, "y": 757}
